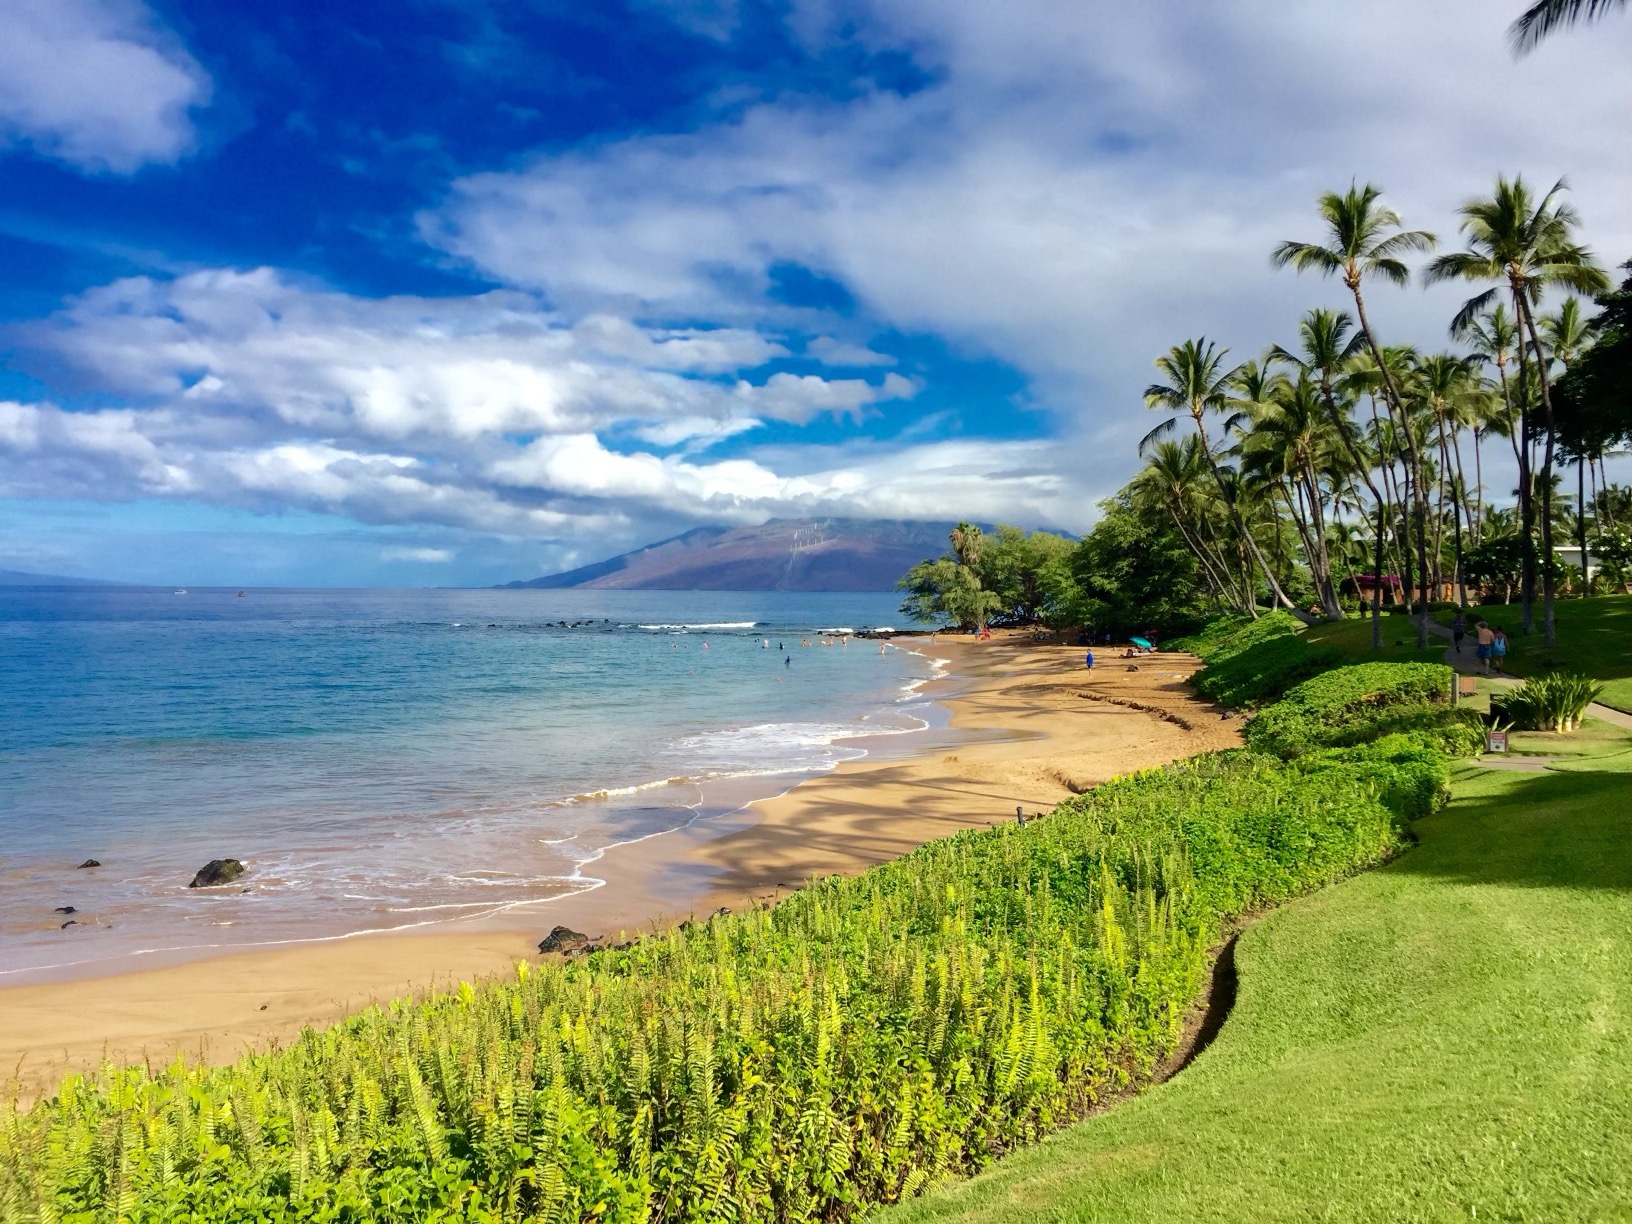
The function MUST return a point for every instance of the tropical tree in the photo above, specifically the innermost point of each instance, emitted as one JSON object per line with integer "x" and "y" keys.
{"x": 1327, "y": 342}
{"x": 1530, "y": 245}
{"x": 1177, "y": 482}
{"x": 1548, "y": 16}
{"x": 1567, "y": 332}
{"x": 1365, "y": 241}
{"x": 1198, "y": 383}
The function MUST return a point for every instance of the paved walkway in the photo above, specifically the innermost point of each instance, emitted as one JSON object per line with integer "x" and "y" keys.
{"x": 1468, "y": 664}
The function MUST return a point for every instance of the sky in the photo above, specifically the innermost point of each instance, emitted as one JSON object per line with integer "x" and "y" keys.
{"x": 451, "y": 292}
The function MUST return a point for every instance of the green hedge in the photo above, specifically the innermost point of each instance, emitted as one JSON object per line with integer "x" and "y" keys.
{"x": 1350, "y": 705}
{"x": 838, "y": 1050}
{"x": 1257, "y": 661}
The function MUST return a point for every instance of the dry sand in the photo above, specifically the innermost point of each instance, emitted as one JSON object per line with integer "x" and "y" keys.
{"x": 1029, "y": 727}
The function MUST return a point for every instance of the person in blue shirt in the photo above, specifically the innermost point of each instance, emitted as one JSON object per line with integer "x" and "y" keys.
{"x": 1088, "y": 661}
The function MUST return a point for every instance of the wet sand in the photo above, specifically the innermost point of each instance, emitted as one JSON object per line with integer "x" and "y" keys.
{"x": 1029, "y": 727}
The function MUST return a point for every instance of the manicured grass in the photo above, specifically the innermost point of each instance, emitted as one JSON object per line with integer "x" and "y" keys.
{"x": 1594, "y": 638}
{"x": 1449, "y": 1037}
{"x": 1353, "y": 637}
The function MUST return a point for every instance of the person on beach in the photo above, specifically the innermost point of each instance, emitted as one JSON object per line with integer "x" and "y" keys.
{"x": 1484, "y": 639}
{"x": 1088, "y": 661}
{"x": 1459, "y": 630}
{"x": 1498, "y": 648}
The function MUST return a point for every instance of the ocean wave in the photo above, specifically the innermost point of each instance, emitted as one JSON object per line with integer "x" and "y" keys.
{"x": 705, "y": 625}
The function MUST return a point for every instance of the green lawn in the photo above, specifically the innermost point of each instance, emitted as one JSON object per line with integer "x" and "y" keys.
{"x": 1594, "y": 637}
{"x": 1353, "y": 638}
{"x": 1446, "y": 1038}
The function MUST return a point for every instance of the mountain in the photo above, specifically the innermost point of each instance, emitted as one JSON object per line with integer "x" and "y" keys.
{"x": 833, "y": 554}
{"x": 21, "y": 578}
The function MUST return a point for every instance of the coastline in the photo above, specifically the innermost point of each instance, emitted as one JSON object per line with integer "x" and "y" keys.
{"x": 1020, "y": 732}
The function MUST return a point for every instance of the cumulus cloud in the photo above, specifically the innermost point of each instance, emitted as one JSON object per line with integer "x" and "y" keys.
{"x": 484, "y": 413}
{"x": 1073, "y": 193}
{"x": 428, "y": 556}
{"x": 96, "y": 83}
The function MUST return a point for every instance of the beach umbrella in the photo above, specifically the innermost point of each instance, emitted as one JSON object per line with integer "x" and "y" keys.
{"x": 1141, "y": 643}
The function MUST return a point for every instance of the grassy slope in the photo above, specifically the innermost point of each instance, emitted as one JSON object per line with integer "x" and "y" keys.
{"x": 1444, "y": 1038}
{"x": 1353, "y": 638}
{"x": 1594, "y": 637}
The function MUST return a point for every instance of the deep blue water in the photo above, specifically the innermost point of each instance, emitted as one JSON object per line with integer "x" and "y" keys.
{"x": 382, "y": 758}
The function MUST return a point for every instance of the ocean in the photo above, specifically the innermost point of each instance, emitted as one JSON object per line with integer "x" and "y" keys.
{"x": 386, "y": 759}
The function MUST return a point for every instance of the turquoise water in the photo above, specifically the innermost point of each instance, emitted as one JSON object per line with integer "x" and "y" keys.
{"x": 382, "y": 759}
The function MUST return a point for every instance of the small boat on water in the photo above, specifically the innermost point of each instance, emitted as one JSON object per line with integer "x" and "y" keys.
{"x": 181, "y": 590}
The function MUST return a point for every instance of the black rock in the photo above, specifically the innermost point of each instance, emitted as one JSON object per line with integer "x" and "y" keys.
{"x": 90, "y": 863}
{"x": 564, "y": 939}
{"x": 217, "y": 871}
{"x": 66, "y": 909}
{"x": 720, "y": 913}
{"x": 69, "y": 923}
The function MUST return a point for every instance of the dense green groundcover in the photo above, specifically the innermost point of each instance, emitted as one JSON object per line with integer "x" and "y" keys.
{"x": 1446, "y": 1038}
{"x": 845, "y": 1048}
{"x": 1251, "y": 663}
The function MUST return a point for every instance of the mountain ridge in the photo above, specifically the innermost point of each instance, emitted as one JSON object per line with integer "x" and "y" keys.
{"x": 825, "y": 554}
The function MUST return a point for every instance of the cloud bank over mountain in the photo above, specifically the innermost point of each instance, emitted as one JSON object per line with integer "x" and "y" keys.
{"x": 917, "y": 267}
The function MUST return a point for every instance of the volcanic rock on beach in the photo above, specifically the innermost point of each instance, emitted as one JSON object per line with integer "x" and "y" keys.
{"x": 217, "y": 871}
{"x": 564, "y": 939}
{"x": 90, "y": 863}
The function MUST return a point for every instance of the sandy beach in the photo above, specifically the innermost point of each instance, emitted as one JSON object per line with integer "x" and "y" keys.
{"x": 1028, "y": 727}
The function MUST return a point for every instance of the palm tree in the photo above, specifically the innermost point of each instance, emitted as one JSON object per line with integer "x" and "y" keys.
{"x": 1326, "y": 346}
{"x": 1197, "y": 384}
{"x": 1531, "y": 246}
{"x": 1173, "y": 479}
{"x": 1289, "y": 443}
{"x": 966, "y": 542}
{"x": 1443, "y": 382}
{"x": 1567, "y": 333}
{"x": 1364, "y": 240}
{"x": 1548, "y": 16}
{"x": 1493, "y": 339}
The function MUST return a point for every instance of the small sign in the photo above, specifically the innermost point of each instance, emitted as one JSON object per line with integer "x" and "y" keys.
{"x": 1495, "y": 741}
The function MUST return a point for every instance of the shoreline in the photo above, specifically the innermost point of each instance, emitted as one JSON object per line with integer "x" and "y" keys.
{"x": 1017, "y": 733}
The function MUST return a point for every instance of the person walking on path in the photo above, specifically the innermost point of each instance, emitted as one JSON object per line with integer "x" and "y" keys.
{"x": 1486, "y": 639}
{"x": 1498, "y": 648}
{"x": 1459, "y": 630}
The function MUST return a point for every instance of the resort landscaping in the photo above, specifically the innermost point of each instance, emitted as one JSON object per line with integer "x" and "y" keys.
{"x": 865, "y": 1039}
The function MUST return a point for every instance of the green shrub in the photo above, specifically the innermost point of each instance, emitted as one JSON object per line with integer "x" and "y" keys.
{"x": 1551, "y": 702}
{"x": 1250, "y": 671}
{"x": 1349, "y": 705}
{"x": 801, "y": 1062}
{"x": 1205, "y": 640}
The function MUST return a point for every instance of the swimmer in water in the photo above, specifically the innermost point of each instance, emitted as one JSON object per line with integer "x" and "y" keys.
{"x": 788, "y": 662}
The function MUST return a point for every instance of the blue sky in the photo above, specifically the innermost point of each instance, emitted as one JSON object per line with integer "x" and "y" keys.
{"x": 438, "y": 293}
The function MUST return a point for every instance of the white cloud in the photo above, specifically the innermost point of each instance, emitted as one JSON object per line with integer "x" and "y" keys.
{"x": 96, "y": 83}
{"x": 1075, "y": 191}
{"x": 428, "y": 556}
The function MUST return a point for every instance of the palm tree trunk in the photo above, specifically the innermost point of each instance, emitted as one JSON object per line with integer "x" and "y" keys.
{"x": 1393, "y": 396}
{"x": 1549, "y": 627}
{"x": 1479, "y": 492}
{"x": 1247, "y": 541}
{"x": 1581, "y": 523}
{"x": 1527, "y": 507}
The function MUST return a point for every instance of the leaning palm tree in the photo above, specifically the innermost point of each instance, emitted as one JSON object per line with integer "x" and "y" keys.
{"x": 1364, "y": 241}
{"x": 1288, "y": 447}
{"x": 1173, "y": 478}
{"x": 1530, "y": 245}
{"x": 1198, "y": 383}
{"x": 1549, "y": 16}
{"x": 1326, "y": 345}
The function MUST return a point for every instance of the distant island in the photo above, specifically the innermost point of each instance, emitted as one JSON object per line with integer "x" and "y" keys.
{"x": 827, "y": 554}
{"x": 22, "y": 578}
